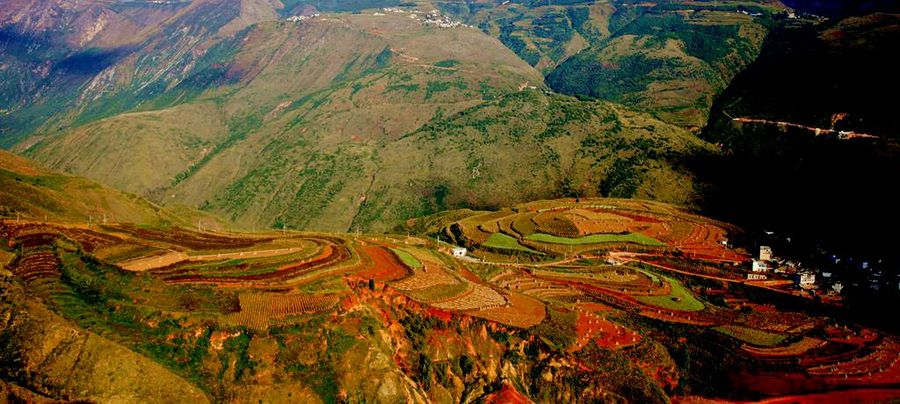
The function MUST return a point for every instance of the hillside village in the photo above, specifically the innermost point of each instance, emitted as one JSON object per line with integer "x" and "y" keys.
{"x": 433, "y": 18}
{"x": 823, "y": 275}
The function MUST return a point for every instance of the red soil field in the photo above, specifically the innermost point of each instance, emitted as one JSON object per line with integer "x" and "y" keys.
{"x": 444, "y": 315}
{"x": 330, "y": 255}
{"x": 837, "y": 397}
{"x": 90, "y": 240}
{"x": 592, "y": 327}
{"x": 875, "y": 368}
{"x": 703, "y": 242}
{"x": 187, "y": 238}
{"x": 693, "y": 318}
{"x": 633, "y": 216}
{"x": 36, "y": 266}
{"x": 506, "y": 395}
{"x": 522, "y": 311}
{"x": 385, "y": 266}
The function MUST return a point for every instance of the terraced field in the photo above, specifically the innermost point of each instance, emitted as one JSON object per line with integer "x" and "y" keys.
{"x": 571, "y": 227}
{"x": 635, "y": 238}
{"x": 678, "y": 298}
{"x": 589, "y": 294}
{"x": 504, "y": 242}
{"x": 259, "y": 310}
{"x": 751, "y": 336}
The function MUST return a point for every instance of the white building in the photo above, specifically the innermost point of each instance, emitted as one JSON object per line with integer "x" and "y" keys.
{"x": 759, "y": 266}
{"x": 806, "y": 279}
{"x": 459, "y": 252}
{"x": 765, "y": 253}
{"x": 837, "y": 287}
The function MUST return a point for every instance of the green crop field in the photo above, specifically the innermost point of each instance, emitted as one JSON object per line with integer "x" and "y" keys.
{"x": 679, "y": 299}
{"x": 751, "y": 336}
{"x": 500, "y": 240}
{"x": 636, "y": 238}
{"x": 407, "y": 258}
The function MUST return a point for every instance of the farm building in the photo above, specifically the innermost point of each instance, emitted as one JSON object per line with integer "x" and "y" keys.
{"x": 765, "y": 253}
{"x": 759, "y": 266}
{"x": 837, "y": 287}
{"x": 805, "y": 279}
{"x": 459, "y": 252}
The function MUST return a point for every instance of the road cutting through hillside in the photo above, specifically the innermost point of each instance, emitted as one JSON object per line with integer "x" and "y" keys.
{"x": 818, "y": 131}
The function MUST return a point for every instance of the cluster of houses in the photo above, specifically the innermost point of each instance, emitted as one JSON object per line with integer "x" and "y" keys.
{"x": 432, "y": 18}
{"x": 755, "y": 14}
{"x": 298, "y": 18}
{"x": 435, "y": 18}
{"x": 767, "y": 262}
{"x": 827, "y": 273}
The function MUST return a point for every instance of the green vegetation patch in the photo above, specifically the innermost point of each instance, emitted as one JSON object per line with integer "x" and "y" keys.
{"x": 447, "y": 63}
{"x": 679, "y": 299}
{"x": 407, "y": 258}
{"x": 751, "y": 336}
{"x": 636, "y": 238}
{"x": 559, "y": 328}
{"x": 500, "y": 240}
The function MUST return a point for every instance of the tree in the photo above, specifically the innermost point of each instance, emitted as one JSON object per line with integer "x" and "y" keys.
{"x": 425, "y": 370}
{"x": 466, "y": 365}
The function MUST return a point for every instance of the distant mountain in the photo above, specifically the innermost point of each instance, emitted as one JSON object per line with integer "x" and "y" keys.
{"x": 330, "y": 116}
{"x": 670, "y": 59}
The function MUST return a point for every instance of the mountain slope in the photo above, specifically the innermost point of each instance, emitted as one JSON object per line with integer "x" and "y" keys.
{"x": 670, "y": 59}
{"x": 73, "y": 363}
{"x": 63, "y": 61}
{"x": 289, "y": 103}
{"x": 357, "y": 120}
{"x": 31, "y": 192}
{"x": 530, "y": 145}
